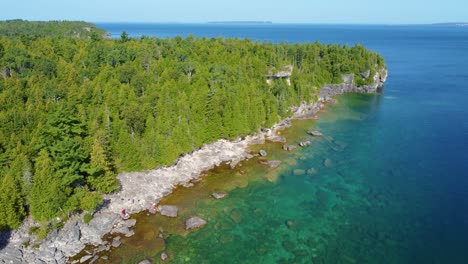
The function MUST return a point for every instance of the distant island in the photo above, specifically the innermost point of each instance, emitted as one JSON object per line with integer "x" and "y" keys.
{"x": 456, "y": 24}
{"x": 240, "y": 22}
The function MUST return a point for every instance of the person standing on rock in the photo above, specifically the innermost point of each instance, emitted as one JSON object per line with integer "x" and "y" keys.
{"x": 124, "y": 213}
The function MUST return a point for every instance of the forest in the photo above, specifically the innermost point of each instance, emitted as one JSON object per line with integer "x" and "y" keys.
{"x": 74, "y": 112}
{"x": 77, "y": 29}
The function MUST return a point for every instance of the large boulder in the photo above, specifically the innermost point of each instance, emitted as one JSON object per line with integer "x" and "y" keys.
{"x": 262, "y": 153}
{"x": 194, "y": 223}
{"x": 314, "y": 133}
{"x": 168, "y": 210}
{"x": 304, "y": 143}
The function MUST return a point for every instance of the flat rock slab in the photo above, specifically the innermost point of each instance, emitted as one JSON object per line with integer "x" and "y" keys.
{"x": 219, "y": 195}
{"x": 315, "y": 133}
{"x": 168, "y": 210}
{"x": 277, "y": 139}
{"x": 85, "y": 258}
{"x": 194, "y": 223}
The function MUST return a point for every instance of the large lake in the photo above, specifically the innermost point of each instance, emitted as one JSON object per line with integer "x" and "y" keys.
{"x": 390, "y": 177}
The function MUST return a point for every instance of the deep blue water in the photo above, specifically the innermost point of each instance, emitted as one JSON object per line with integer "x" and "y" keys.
{"x": 409, "y": 154}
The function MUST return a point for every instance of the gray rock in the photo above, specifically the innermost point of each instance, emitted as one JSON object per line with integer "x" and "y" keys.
{"x": 314, "y": 133}
{"x": 289, "y": 147}
{"x": 262, "y": 153}
{"x": 164, "y": 256}
{"x": 144, "y": 262}
{"x": 168, "y": 210}
{"x": 130, "y": 223}
{"x": 116, "y": 242}
{"x": 100, "y": 225}
{"x": 68, "y": 239}
{"x": 95, "y": 258}
{"x": 365, "y": 74}
{"x": 219, "y": 195}
{"x": 85, "y": 258}
{"x": 304, "y": 143}
{"x": 11, "y": 254}
{"x": 194, "y": 222}
{"x": 279, "y": 139}
{"x": 273, "y": 164}
{"x": 311, "y": 171}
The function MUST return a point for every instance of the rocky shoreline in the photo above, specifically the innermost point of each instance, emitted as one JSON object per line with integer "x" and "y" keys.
{"x": 140, "y": 190}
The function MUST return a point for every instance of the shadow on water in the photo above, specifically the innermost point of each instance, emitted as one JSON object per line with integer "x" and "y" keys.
{"x": 4, "y": 238}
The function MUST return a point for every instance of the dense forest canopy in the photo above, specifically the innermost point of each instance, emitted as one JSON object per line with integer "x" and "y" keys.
{"x": 78, "y": 29}
{"x": 74, "y": 112}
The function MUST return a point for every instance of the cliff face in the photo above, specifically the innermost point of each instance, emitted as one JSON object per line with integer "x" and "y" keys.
{"x": 308, "y": 110}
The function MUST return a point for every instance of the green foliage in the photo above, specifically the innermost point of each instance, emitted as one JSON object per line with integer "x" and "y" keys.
{"x": 75, "y": 112}
{"x": 87, "y": 218}
{"x": 47, "y": 196}
{"x": 76, "y": 29}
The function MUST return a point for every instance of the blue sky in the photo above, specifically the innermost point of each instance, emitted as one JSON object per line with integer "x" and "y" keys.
{"x": 284, "y": 11}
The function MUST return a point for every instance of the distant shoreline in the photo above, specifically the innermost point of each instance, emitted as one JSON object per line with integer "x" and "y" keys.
{"x": 240, "y": 22}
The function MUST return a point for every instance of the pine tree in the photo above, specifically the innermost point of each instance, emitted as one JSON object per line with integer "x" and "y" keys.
{"x": 47, "y": 197}
{"x": 12, "y": 209}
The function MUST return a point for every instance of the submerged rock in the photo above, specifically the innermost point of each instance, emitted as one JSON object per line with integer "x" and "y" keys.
{"x": 304, "y": 143}
{"x": 279, "y": 139}
{"x": 298, "y": 172}
{"x": 262, "y": 153}
{"x": 291, "y": 224}
{"x": 289, "y": 147}
{"x": 314, "y": 133}
{"x": 219, "y": 195}
{"x": 327, "y": 163}
{"x": 311, "y": 171}
{"x": 194, "y": 222}
{"x": 272, "y": 164}
{"x": 168, "y": 210}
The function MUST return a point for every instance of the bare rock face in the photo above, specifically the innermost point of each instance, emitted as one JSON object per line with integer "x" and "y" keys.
{"x": 194, "y": 223}
{"x": 219, "y": 195}
{"x": 315, "y": 133}
{"x": 168, "y": 210}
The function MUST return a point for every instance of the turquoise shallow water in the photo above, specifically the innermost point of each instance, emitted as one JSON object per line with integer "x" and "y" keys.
{"x": 393, "y": 190}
